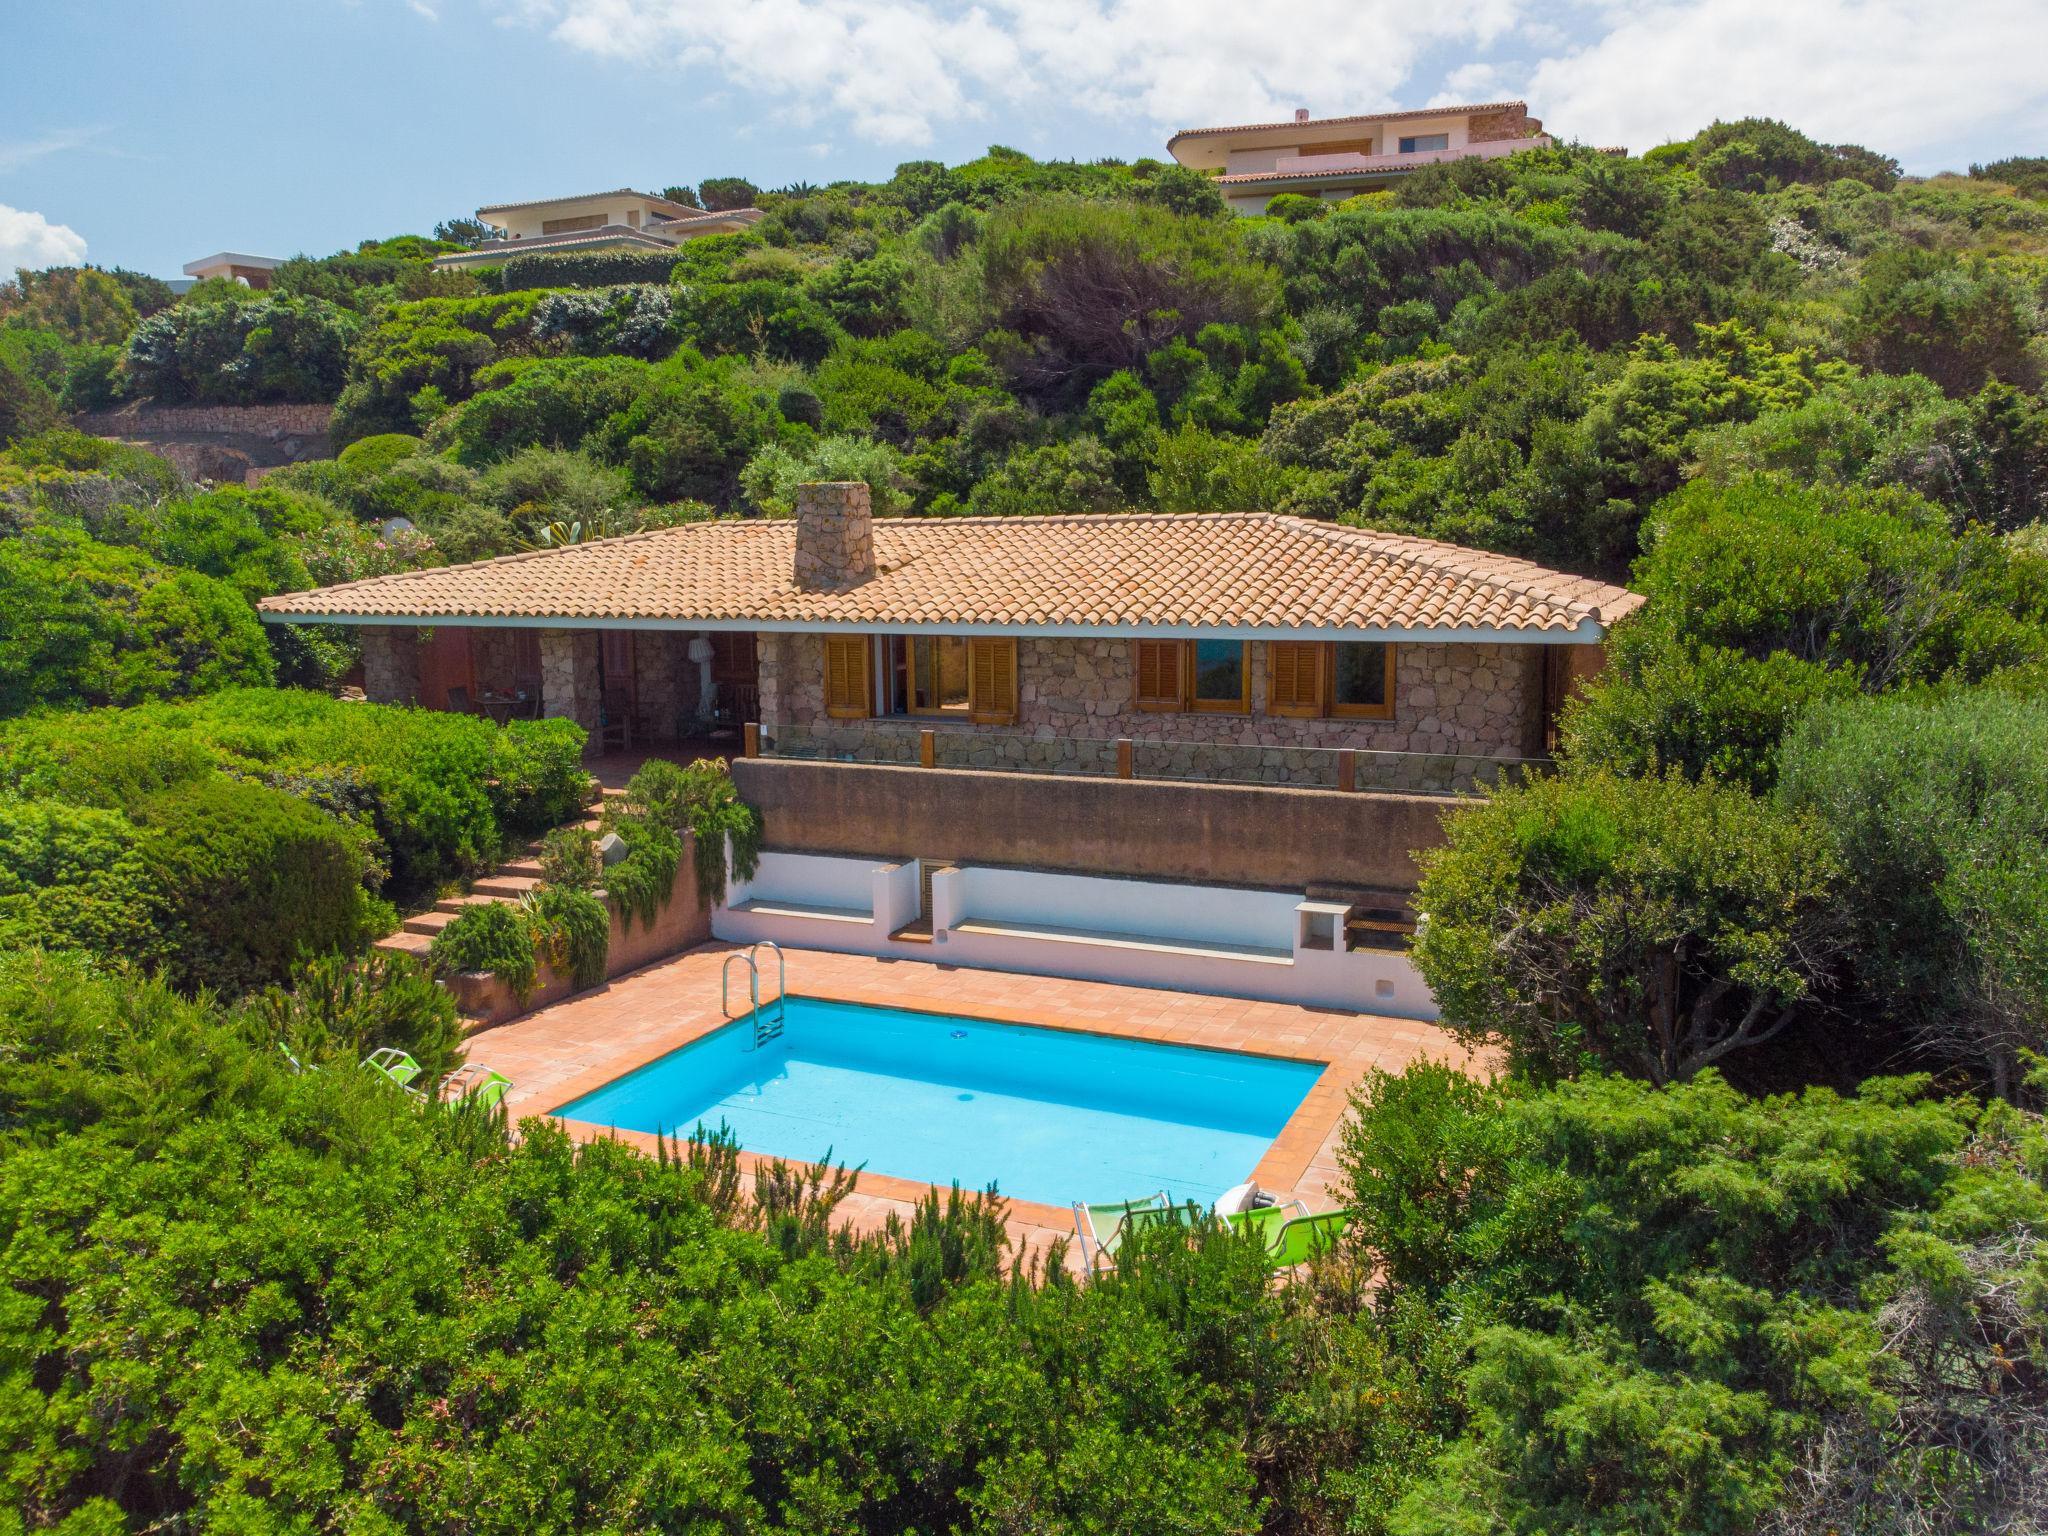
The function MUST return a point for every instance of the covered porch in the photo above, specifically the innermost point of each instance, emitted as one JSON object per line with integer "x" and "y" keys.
{"x": 630, "y": 689}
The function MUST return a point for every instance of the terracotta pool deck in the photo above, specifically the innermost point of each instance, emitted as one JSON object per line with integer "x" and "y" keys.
{"x": 564, "y": 1051}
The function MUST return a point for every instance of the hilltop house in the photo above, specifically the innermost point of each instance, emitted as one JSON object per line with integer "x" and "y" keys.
{"x": 1225, "y": 645}
{"x": 250, "y": 271}
{"x": 1336, "y": 157}
{"x": 622, "y": 220}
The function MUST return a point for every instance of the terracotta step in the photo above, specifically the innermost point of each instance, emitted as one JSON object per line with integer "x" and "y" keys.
{"x": 511, "y": 887}
{"x": 454, "y": 904}
{"x": 429, "y": 923}
{"x": 406, "y": 943}
{"x": 528, "y": 867}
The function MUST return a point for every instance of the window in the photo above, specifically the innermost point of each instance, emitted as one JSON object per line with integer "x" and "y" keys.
{"x": 1219, "y": 680}
{"x": 846, "y": 677}
{"x": 1424, "y": 141}
{"x": 1294, "y": 678}
{"x": 1362, "y": 679}
{"x": 570, "y": 226}
{"x": 938, "y": 675}
{"x": 1338, "y": 147}
{"x": 972, "y": 679}
{"x": 1159, "y": 669}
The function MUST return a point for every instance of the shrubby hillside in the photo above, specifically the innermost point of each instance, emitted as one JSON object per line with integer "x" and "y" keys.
{"x": 1748, "y": 1237}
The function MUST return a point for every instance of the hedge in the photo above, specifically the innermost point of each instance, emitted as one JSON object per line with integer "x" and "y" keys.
{"x": 584, "y": 269}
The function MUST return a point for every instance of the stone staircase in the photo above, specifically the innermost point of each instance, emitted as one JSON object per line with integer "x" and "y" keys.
{"x": 507, "y": 883}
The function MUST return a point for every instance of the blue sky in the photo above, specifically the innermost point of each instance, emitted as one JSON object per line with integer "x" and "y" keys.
{"x": 144, "y": 133}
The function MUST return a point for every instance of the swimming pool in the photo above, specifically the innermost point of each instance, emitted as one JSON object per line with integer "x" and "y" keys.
{"x": 1047, "y": 1115}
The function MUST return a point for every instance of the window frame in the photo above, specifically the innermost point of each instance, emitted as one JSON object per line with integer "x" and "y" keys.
{"x": 863, "y": 647}
{"x": 962, "y": 711}
{"x": 1196, "y": 704}
{"x": 1381, "y": 711}
{"x": 1411, "y": 143}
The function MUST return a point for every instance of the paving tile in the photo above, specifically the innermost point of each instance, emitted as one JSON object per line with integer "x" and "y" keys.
{"x": 562, "y": 1052}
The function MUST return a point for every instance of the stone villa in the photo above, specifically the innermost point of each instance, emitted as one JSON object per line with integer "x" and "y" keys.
{"x": 1227, "y": 645}
{"x": 1337, "y": 157}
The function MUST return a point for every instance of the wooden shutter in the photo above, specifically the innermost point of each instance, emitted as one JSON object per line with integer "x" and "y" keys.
{"x": 846, "y": 677}
{"x": 992, "y": 680}
{"x": 1159, "y": 670}
{"x": 1294, "y": 677}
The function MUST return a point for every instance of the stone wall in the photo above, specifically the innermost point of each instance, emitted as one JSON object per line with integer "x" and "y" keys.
{"x": 1481, "y": 700}
{"x": 1221, "y": 834}
{"x": 664, "y": 684}
{"x": 231, "y": 444}
{"x": 391, "y": 664}
{"x": 568, "y": 677}
{"x": 1495, "y": 127}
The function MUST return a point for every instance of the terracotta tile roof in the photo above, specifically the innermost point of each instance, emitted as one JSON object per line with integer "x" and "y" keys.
{"x": 1118, "y": 572}
{"x": 1359, "y": 117}
{"x": 584, "y": 197}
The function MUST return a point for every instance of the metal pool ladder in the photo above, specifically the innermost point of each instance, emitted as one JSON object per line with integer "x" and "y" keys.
{"x": 766, "y": 1026}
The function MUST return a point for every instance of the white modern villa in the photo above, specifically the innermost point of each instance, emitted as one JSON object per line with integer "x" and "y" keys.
{"x": 1337, "y": 157}
{"x": 619, "y": 220}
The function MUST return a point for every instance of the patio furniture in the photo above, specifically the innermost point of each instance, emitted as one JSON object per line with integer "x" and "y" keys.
{"x": 459, "y": 702}
{"x": 1100, "y": 1227}
{"x": 394, "y": 1066}
{"x": 615, "y": 723}
{"x": 475, "y": 1087}
{"x": 507, "y": 707}
{"x": 1306, "y": 1237}
{"x": 1266, "y": 1222}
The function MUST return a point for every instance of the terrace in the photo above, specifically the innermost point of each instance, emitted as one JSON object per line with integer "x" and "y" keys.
{"x": 566, "y": 1051}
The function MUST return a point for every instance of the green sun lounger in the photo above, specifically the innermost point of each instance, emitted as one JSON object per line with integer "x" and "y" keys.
{"x": 1265, "y": 1222}
{"x": 476, "y": 1087}
{"x": 394, "y": 1065}
{"x": 1304, "y": 1238}
{"x": 1100, "y": 1227}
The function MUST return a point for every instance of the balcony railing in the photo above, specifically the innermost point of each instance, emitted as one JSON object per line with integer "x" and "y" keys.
{"x": 904, "y": 744}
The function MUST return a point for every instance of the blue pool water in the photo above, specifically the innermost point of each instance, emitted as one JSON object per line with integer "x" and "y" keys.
{"x": 1044, "y": 1114}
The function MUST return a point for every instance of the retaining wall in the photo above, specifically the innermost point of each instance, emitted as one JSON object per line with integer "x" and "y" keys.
{"x": 1222, "y": 834}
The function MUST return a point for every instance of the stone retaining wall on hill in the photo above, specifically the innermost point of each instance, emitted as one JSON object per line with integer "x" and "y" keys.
{"x": 227, "y": 444}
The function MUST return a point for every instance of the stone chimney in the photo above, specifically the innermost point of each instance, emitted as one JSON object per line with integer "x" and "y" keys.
{"x": 1301, "y": 114}
{"x": 835, "y": 535}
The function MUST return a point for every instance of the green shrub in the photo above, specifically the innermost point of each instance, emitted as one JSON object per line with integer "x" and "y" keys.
{"x": 491, "y": 936}
{"x": 74, "y": 877}
{"x": 697, "y": 798}
{"x": 554, "y": 403}
{"x": 583, "y": 269}
{"x": 572, "y": 932}
{"x": 241, "y": 353}
{"x": 247, "y": 881}
{"x": 569, "y": 859}
{"x": 644, "y": 881}
{"x": 337, "y": 1009}
{"x": 1647, "y": 926}
{"x": 370, "y": 456}
{"x": 537, "y": 777}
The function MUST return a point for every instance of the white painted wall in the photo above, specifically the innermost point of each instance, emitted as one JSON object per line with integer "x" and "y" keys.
{"x": 1365, "y": 981}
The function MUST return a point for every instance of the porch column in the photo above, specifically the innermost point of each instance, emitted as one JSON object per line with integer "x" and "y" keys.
{"x": 391, "y": 663}
{"x": 568, "y": 677}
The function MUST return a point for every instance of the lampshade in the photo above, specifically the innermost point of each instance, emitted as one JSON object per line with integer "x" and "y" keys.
{"x": 701, "y": 650}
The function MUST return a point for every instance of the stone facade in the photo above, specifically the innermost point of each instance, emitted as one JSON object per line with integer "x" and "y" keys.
{"x": 568, "y": 677}
{"x": 226, "y": 444}
{"x": 1459, "y": 705}
{"x": 835, "y": 539}
{"x": 664, "y": 684}
{"x": 391, "y": 664}
{"x": 1497, "y": 127}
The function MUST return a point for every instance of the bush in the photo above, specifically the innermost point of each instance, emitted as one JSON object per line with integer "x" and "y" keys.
{"x": 572, "y": 932}
{"x": 537, "y": 777}
{"x": 1649, "y": 926}
{"x": 338, "y": 1009}
{"x": 772, "y": 476}
{"x": 697, "y": 798}
{"x": 569, "y": 859}
{"x": 1939, "y": 809}
{"x": 491, "y": 936}
{"x": 74, "y": 877}
{"x": 241, "y": 353}
{"x": 247, "y": 881}
{"x": 554, "y": 403}
{"x": 583, "y": 269}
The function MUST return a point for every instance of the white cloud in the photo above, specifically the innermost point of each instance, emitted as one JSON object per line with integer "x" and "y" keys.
{"x": 1906, "y": 77}
{"x": 896, "y": 70}
{"x": 30, "y": 240}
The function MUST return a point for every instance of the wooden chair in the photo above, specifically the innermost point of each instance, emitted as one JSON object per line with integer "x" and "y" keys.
{"x": 615, "y": 724}
{"x": 458, "y": 702}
